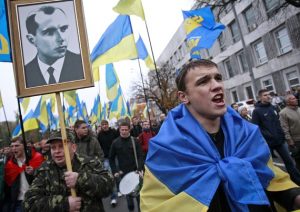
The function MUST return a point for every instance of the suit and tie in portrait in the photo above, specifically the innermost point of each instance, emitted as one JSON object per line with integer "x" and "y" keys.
{"x": 48, "y": 30}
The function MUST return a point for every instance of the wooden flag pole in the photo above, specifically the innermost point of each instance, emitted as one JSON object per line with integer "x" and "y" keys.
{"x": 64, "y": 137}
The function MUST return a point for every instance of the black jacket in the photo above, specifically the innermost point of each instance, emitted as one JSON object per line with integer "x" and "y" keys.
{"x": 266, "y": 117}
{"x": 105, "y": 139}
{"x": 122, "y": 149}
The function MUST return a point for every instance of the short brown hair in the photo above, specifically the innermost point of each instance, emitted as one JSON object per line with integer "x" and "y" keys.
{"x": 104, "y": 122}
{"x": 124, "y": 123}
{"x": 261, "y": 91}
{"x": 78, "y": 123}
{"x": 180, "y": 79}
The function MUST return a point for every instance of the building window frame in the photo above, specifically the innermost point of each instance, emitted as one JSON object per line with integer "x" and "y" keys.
{"x": 229, "y": 68}
{"x": 243, "y": 65}
{"x": 246, "y": 91}
{"x": 234, "y": 31}
{"x": 234, "y": 95}
{"x": 290, "y": 70}
{"x": 270, "y": 87}
{"x": 249, "y": 15}
{"x": 260, "y": 52}
{"x": 272, "y": 6}
{"x": 279, "y": 38}
{"x": 222, "y": 41}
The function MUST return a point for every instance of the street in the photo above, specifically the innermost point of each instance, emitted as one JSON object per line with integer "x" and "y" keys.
{"x": 121, "y": 206}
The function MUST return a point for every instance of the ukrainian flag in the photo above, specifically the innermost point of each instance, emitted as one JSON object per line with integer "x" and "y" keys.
{"x": 117, "y": 43}
{"x": 112, "y": 82}
{"x": 184, "y": 168}
{"x": 29, "y": 123}
{"x": 143, "y": 53}
{"x": 130, "y": 7}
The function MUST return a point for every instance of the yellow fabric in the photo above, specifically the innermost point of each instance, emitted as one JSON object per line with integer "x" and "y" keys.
{"x": 25, "y": 104}
{"x": 192, "y": 23}
{"x": 30, "y": 124}
{"x": 281, "y": 181}
{"x": 149, "y": 63}
{"x": 124, "y": 50}
{"x": 96, "y": 74}
{"x": 130, "y": 7}
{"x": 70, "y": 97}
{"x": 44, "y": 114}
{"x": 156, "y": 197}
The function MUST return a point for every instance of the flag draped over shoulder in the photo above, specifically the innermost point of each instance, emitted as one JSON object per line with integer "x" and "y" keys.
{"x": 143, "y": 53}
{"x": 117, "y": 43}
{"x": 130, "y": 7}
{"x": 184, "y": 168}
{"x": 112, "y": 82}
{"x": 5, "y": 52}
{"x": 201, "y": 29}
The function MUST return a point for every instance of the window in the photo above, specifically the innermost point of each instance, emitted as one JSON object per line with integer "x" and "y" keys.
{"x": 250, "y": 18}
{"x": 249, "y": 92}
{"x": 229, "y": 68}
{"x": 283, "y": 41}
{"x": 234, "y": 96}
{"x": 222, "y": 41}
{"x": 234, "y": 31}
{"x": 260, "y": 52}
{"x": 243, "y": 62}
{"x": 272, "y": 5}
{"x": 268, "y": 84}
{"x": 292, "y": 79}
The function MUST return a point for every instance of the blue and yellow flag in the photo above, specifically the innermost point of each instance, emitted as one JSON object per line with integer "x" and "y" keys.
{"x": 143, "y": 53}
{"x": 117, "y": 43}
{"x": 29, "y": 123}
{"x": 112, "y": 82}
{"x": 130, "y": 7}
{"x": 201, "y": 29}
{"x": 5, "y": 51}
{"x": 118, "y": 108}
{"x": 70, "y": 97}
{"x": 184, "y": 168}
{"x": 24, "y": 103}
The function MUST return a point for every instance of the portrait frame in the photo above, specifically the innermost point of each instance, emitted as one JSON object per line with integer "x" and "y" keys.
{"x": 24, "y": 52}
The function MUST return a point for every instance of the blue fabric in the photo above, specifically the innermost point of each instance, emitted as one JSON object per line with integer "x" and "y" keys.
{"x": 119, "y": 29}
{"x": 190, "y": 156}
{"x": 5, "y": 51}
{"x": 142, "y": 51}
{"x": 205, "y": 30}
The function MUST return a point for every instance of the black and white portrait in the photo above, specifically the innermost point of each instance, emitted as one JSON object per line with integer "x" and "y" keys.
{"x": 49, "y": 43}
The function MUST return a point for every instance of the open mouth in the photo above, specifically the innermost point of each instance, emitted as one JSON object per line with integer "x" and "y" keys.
{"x": 219, "y": 98}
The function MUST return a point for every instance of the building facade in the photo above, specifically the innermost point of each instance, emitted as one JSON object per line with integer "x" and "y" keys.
{"x": 271, "y": 31}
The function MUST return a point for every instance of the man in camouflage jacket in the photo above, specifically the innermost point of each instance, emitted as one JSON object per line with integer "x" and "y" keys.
{"x": 50, "y": 190}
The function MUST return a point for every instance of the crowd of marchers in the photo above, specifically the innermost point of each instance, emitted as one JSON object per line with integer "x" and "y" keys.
{"x": 35, "y": 177}
{"x": 205, "y": 156}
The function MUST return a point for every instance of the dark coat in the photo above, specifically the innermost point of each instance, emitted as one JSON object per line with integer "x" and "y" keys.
{"x": 122, "y": 149}
{"x": 105, "y": 139}
{"x": 72, "y": 70}
{"x": 267, "y": 118}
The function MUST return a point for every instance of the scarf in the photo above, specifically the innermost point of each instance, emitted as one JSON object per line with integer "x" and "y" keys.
{"x": 184, "y": 158}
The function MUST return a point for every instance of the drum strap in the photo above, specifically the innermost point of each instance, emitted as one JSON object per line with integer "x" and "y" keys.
{"x": 134, "y": 151}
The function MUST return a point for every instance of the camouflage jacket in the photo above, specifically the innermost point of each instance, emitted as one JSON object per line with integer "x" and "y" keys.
{"x": 48, "y": 192}
{"x": 89, "y": 146}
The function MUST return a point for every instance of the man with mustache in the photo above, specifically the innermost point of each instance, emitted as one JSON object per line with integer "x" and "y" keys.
{"x": 48, "y": 30}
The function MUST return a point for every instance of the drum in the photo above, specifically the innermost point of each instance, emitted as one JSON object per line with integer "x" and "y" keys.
{"x": 131, "y": 184}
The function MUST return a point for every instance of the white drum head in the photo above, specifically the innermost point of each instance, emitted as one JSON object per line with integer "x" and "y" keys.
{"x": 129, "y": 182}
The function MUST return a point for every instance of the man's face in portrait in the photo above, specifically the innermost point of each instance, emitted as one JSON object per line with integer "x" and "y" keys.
{"x": 51, "y": 35}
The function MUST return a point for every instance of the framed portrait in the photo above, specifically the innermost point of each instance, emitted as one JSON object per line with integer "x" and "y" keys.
{"x": 50, "y": 48}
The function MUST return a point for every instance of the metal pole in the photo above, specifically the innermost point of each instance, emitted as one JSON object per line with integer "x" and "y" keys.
{"x": 23, "y": 132}
{"x": 247, "y": 55}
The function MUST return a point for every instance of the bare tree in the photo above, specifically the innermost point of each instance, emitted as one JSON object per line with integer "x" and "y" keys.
{"x": 166, "y": 97}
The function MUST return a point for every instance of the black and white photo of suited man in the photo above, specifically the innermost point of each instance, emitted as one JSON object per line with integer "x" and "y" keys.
{"x": 48, "y": 30}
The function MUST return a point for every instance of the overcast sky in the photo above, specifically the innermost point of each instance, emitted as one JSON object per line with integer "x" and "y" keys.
{"x": 163, "y": 18}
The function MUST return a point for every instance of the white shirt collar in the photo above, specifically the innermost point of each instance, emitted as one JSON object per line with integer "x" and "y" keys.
{"x": 57, "y": 69}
